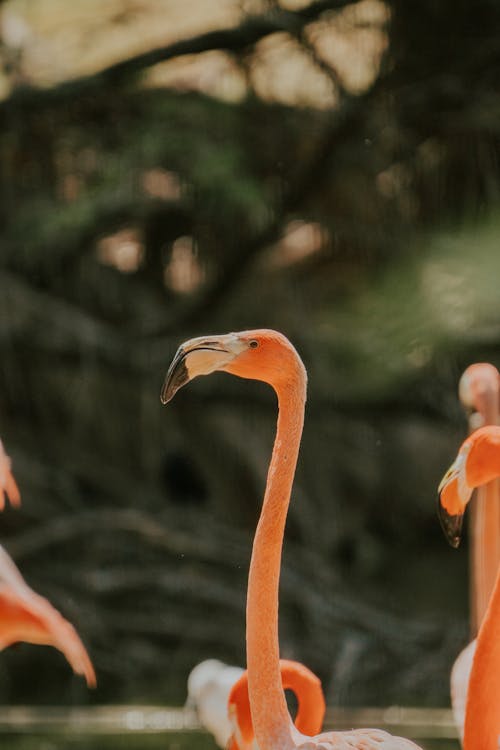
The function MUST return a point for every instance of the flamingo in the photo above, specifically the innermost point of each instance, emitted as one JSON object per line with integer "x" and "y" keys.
{"x": 26, "y": 616}
{"x": 268, "y": 356}
{"x": 476, "y": 464}
{"x": 478, "y": 390}
{"x": 8, "y": 484}
{"x": 479, "y": 393}
{"x": 219, "y": 694}
{"x": 310, "y": 704}
{"x": 208, "y": 686}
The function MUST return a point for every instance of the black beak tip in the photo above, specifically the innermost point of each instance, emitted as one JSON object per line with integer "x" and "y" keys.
{"x": 176, "y": 377}
{"x": 164, "y": 397}
{"x": 451, "y": 525}
{"x": 168, "y": 391}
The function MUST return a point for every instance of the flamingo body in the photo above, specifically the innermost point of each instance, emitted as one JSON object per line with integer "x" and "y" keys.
{"x": 477, "y": 462}
{"x": 268, "y": 356}
{"x": 26, "y": 616}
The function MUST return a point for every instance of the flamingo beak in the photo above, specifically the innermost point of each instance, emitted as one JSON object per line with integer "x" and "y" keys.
{"x": 200, "y": 356}
{"x": 453, "y": 495}
{"x": 451, "y": 524}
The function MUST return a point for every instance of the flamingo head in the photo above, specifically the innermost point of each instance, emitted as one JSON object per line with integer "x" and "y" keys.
{"x": 477, "y": 463}
{"x": 478, "y": 391}
{"x": 260, "y": 354}
{"x": 200, "y": 676}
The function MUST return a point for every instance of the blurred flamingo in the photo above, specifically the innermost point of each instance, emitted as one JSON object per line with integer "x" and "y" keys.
{"x": 8, "y": 484}
{"x": 26, "y": 616}
{"x": 219, "y": 694}
{"x": 208, "y": 686}
{"x": 268, "y": 356}
{"x": 479, "y": 393}
{"x": 477, "y": 463}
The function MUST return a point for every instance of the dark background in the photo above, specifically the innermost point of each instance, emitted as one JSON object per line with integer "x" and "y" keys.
{"x": 171, "y": 169}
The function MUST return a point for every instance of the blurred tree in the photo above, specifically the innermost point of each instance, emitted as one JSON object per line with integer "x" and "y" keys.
{"x": 303, "y": 166}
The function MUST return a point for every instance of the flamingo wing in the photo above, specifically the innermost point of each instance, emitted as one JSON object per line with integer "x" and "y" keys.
{"x": 27, "y": 616}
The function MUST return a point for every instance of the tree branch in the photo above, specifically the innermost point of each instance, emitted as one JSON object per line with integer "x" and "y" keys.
{"x": 311, "y": 175}
{"x": 235, "y": 39}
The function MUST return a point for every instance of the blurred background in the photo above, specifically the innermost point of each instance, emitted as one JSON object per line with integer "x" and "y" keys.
{"x": 172, "y": 168}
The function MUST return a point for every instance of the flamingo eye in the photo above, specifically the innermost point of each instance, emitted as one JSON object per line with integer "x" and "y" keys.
{"x": 253, "y": 344}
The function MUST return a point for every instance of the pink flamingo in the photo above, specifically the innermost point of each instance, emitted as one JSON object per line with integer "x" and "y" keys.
{"x": 268, "y": 356}
{"x": 477, "y": 463}
{"x": 219, "y": 694}
{"x": 8, "y": 484}
{"x": 479, "y": 393}
{"x": 478, "y": 390}
{"x": 26, "y": 616}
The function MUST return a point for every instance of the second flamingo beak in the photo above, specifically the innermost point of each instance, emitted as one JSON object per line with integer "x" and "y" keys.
{"x": 200, "y": 356}
{"x": 453, "y": 495}
{"x": 451, "y": 523}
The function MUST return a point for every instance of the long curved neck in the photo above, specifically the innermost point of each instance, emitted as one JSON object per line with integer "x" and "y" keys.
{"x": 485, "y": 531}
{"x": 310, "y": 700}
{"x": 271, "y": 720}
{"x": 482, "y": 713}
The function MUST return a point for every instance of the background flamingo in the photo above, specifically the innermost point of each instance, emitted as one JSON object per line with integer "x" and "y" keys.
{"x": 26, "y": 616}
{"x": 8, "y": 484}
{"x": 268, "y": 356}
{"x": 219, "y": 694}
{"x": 208, "y": 686}
{"x": 477, "y": 462}
{"x": 479, "y": 393}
